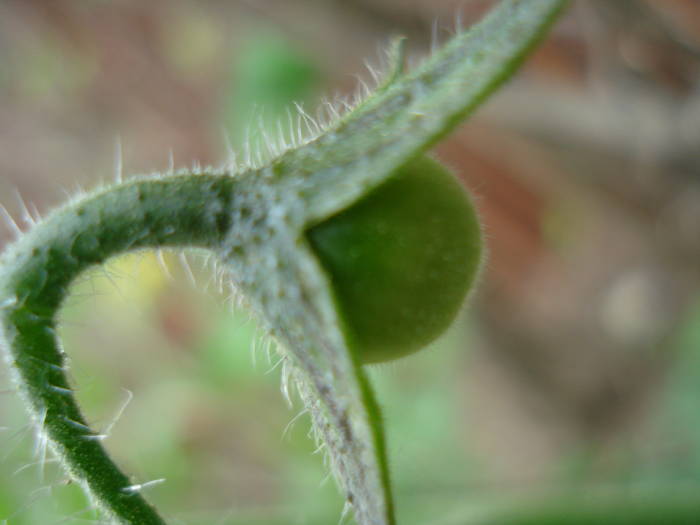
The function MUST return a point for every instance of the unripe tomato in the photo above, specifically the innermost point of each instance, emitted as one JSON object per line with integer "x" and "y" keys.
{"x": 401, "y": 260}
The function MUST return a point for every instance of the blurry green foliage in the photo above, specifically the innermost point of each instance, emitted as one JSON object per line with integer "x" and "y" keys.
{"x": 268, "y": 75}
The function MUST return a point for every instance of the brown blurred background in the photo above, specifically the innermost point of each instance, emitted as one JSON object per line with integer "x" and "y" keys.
{"x": 576, "y": 362}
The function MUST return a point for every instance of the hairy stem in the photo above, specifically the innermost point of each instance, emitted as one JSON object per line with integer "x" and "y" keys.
{"x": 39, "y": 269}
{"x": 414, "y": 112}
{"x": 257, "y": 230}
{"x": 255, "y": 223}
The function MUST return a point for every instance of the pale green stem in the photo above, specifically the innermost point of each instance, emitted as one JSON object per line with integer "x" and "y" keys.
{"x": 255, "y": 224}
{"x": 38, "y": 271}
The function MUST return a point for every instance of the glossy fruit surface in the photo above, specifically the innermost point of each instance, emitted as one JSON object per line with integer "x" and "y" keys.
{"x": 401, "y": 260}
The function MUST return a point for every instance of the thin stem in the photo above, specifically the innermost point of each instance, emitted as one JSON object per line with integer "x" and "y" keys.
{"x": 180, "y": 211}
{"x": 419, "y": 108}
{"x": 255, "y": 224}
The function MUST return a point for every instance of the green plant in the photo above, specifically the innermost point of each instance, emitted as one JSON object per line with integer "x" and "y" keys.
{"x": 283, "y": 229}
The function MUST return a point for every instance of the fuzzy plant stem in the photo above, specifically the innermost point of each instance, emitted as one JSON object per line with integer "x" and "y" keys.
{"x": 256, "y": 224}
{"x": 253, "y": 222}
{"x": 180, "y": 212}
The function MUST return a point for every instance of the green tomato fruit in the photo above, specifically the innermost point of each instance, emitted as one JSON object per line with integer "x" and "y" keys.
{"x": 401, "y": 260}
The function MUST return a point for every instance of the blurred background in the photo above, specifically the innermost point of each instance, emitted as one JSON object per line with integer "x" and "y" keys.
{"x": 575, "y": 365}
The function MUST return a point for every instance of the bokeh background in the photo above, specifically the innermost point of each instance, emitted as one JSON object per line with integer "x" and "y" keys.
{"x": 576, "y": 364}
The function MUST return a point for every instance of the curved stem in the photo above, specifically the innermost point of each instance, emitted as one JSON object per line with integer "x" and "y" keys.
{"x": 180, "y": 211}
{"x": 256, "y": 228}
{"x": 256, "y": 225}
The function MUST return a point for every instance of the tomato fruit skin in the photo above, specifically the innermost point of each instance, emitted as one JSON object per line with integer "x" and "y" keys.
{"x": 401, "y": 260}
